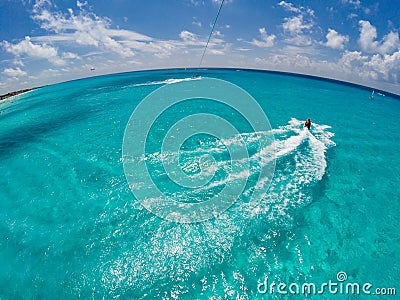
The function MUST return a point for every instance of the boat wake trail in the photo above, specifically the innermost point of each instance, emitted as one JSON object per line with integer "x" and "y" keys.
{"x": 301, "y": 162}
{"x": 167, "y": 81}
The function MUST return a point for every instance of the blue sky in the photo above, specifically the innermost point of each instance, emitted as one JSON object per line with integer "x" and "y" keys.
{"x": 49, "y": 41}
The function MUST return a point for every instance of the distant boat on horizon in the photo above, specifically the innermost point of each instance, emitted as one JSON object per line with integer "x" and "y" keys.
{"x": 372, "y": 96}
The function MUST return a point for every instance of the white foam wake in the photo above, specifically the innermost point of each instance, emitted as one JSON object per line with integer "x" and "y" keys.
{"x": 300, "y": 157}
{"x": 301, "y": 163}
{"x": 168, "y": 81}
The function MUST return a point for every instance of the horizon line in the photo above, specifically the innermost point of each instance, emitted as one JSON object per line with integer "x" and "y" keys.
{"x": 287, "y": 73}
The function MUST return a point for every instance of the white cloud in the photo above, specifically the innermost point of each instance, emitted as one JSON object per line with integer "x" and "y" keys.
{"x": 85, "y": 29}
{"x": 351, "y": 59}
{"x": 298, "y": 27}
{"x": 39, "y": 4}
{"x": 289, "y": 6}
{"x": 188, "y": 40}
{"x": 191, "y": 39}
{"x": 53, "y": 38}
{"x": 70, "y": 55}
{"x": 26, "y": 47}
{"x": 382, "y": 71}
{"x": 386, "y": 66}
{"x": 299, "y": 63}
{"x": 367, "y": 10}
{"x": 217, "y": 33}
{"x": 300, "y": 40}
{"x": 367, "y": 38}
{"x": 390, "y": 43}
{"x": 266, "y": 40}
{"x": 298, "y": 31}
{"x": 128, "y": 34}
{"x": 17, "y": 72}
{"x": 355, "y": 3}
{"x": 218, "y": 2}
{"x": 368, "y": 43}
{"x": 352, "y": 16}
{"x": 157, "y": 48}
{"x": 196, "y": 2}
{"x": 81, "y": 4}
{"x": 89, "y": 30}
{"x": 216, "y": 46}
{"x": 335, "y": 40}
{"x": 296, "y": 9}
{"x": 377, "y": 67}
{"x": 64, "y": 31}
{"x": 241, "y": 49}
{"x": 188, "y": 36}
{"x": 18, "y": 62}
{"x": 109, "y": 49}
{"x": 197, "y": 23}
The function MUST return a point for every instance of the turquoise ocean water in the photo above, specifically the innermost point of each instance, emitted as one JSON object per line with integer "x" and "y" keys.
{"x": 71, "y": 228}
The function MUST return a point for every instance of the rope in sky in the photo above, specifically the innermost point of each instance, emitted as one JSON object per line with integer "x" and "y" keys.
{"x": 212, "y": 29}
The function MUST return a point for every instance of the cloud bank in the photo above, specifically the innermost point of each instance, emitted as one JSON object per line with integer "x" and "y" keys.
{"x": 73, "y": 41}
